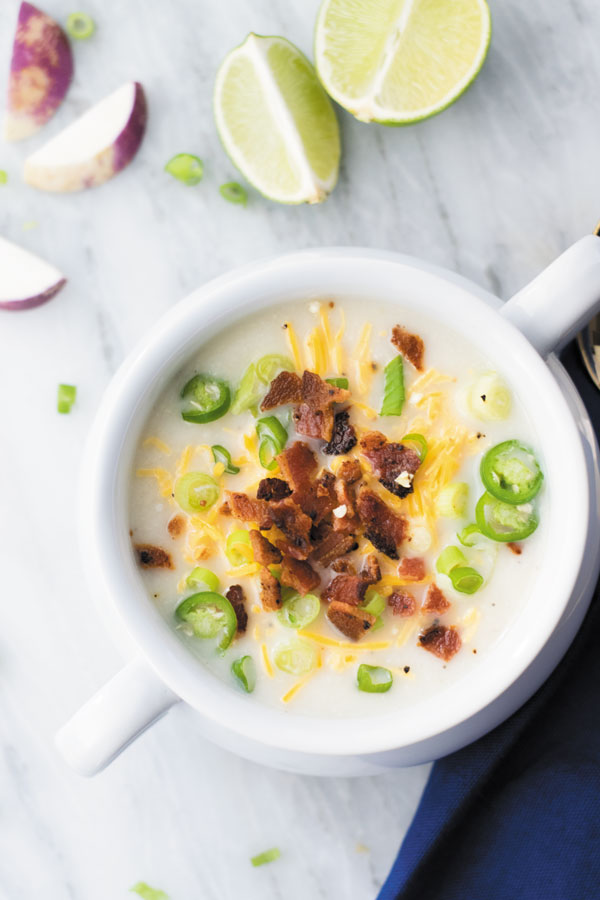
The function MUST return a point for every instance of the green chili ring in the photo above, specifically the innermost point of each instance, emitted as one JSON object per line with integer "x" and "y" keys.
{"x": 493, "y": 515}
{"x": 209, "y": 399}
{"x": 209, "y": 615}
{"x": 511, "y": 473}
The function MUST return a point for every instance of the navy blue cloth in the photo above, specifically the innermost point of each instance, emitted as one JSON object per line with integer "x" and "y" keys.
{"x": 517, "y": 813}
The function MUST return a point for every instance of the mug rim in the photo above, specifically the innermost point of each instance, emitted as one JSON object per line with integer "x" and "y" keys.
{"x": 104, "y": 529}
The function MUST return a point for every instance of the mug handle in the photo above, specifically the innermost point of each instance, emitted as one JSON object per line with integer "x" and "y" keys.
{"x": 114, "y": 717}
{"x": 552, "y": 308}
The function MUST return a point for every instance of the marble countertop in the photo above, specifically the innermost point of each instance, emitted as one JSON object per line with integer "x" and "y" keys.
{"x": 493, "y": 188}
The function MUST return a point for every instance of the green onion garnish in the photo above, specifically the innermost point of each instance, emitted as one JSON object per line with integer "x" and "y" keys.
{"x": 449, "y": 559}
{"x": 299, "y": 611}
{"x": 452, "y": 500}
{"x": 266, "y": 857}
{"x": 489, "y": 398}
{"x": 255, "y": 379}
{"x": 272, "y": 438}
{"x": 468, "y": 535}
{"x": 237, "y": 548}
{"x": 393, "y": 393}
{"x": 295, "y": 657}
{"x": 452, "y": 562}
{"x": 80, "y": 26}
{"x": 244, "y": 671}
{"x": 375, "y": 603}
{"x": 209, "y": 615}
{"x": 3, "y": 176}
{"x": 221, "y": 455}
{"x": 201, "y": 577}
{"x": 66, "y": 397}
{"x": 186, "y": 167}
{"x": 338, "y": 382}
{"x": 195, "y": 492}
{"x": 148, "y": 893}
{"x": 374, "y": 679}
{"x": 234, "y": 193}
{"x": 420, "y": 441}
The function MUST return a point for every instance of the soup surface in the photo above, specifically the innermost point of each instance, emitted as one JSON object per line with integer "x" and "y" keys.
{"x": 315, "y": 553}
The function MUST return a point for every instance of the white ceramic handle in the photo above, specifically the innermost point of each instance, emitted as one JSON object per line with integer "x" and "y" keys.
{"x": 552, "y": 308}
{"x": 119, "y": 712}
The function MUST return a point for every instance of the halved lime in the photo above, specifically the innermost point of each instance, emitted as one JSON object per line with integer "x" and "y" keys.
{"x": 399, "y": 61}
{"x": 276, "y": 122}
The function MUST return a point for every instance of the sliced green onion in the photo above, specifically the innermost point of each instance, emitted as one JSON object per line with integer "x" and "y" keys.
{"x": 186, "y": 168}
{"x": 296, "y": 657}
{"x": 252, "y": 385}
{"x": 511, "y": 472}
{"x": 377, "y": 624}
{"x": 238, "y": 549}
{"x": 80, "y": 26}
{"x": 148, "y": 893}
{"x": 375, "y": 603}
{"x": 452, "y": 500}
{"x": 66, "y": 397}
{"x": 221, "y": 455}
{"x": 419, "y": 440}
{"x": 374, "y": 679}
{"x": 234, "y": 193}
{"x": 393, "y": 392}
{"x": 298, "y": 611}
{"x": 209, "y": 615}
{"x": 272, "y": 438}
{"x": 503, "y": 521}
{"x": 208, "y": 398}
{"x": 245, "y": 672}
{"x": 266, "y": 857}
{"x": 465, "y": 579}
{"x": 489, "y": 398}
{"x": 3, "y": 176}
{"x": 201, "y": 577}
{"x": 468, "y": 535}
{"x": 338, "y": 382}
{"x": 196, "y": 492}
{"x": 448, "y": 559}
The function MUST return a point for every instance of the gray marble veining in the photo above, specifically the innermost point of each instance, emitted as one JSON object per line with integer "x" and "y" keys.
{"x": 494, "y": 188}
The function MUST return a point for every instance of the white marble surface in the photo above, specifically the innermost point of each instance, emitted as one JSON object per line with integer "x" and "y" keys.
{"x": 494, "y": 188}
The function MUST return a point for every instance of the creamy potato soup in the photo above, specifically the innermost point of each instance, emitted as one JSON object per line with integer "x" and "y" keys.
{"x": 338, "y": 507}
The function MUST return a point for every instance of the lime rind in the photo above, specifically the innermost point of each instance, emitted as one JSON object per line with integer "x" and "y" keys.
{"x": 276, "y": 122}
{"x": 385, "y": 48}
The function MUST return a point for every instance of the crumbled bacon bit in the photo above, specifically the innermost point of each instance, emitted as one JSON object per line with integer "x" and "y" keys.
{"x": 343, "y": 566}
{"x": 299, "y": 464}
{"x": 235, "y": 595}
{"x": 225, "y": 509}
{"x": 391, "y": 461}
{"x": 249, "y": 510}
{"x": 412, "y": 568}
{"x": 273, "y": 489}
{"x": 409, "y": 345}
{"x": 299, "y": 575}
{"x": 294, "y": 524}
{"x": 151, "y": 557}
{"x": 350, "y": 620}
{"x": 371, "y": 571}
{"x": 441, "y": 640}
{"x": 349, "y": 589}
{"x": 334, "y": 545}
{"x": 515, "y": 548}
{"x": 269, "y": 590}
{"x": 343, "y": 438}
{"x": 285, "y": 388}
{"x": 402, "y": 603}
{"x": 314, "y": 416}
{"x": 435, "y": 601}
{"x": 350, "y": 471}
{"x": 264, "y": 551}
{"x": 176, "y": 526}
{"x": 382, "y": 526}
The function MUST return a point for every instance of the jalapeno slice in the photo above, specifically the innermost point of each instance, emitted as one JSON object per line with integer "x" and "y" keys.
{"x": 209, "y": 615}
{"x": 511, "y": 472}
{"x": 505, "y": 521}
{"x": 208, "y": 399}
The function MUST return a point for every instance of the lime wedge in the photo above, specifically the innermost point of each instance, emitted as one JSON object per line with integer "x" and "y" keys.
{"x": 276, "y": 122}
{"x": 399, "y": 61}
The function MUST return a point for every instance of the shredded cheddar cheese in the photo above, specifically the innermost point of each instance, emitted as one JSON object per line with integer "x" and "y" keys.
{"x": 158, "y": 445}
{"x": 218, "y": 469}
{"x": 368, "y": 411}
{"x": 183, "y": 463}
{"x": 470, "y": 623}
{"x": 316, "y": 344}
{"x": 346, "y": 645}
{"x": 165, "y": 482}
{"x": 266, "y": 660}
{"x": 296, "y": 687}
{"x": 338, "y": 349}
{"x": 363, "y": 360}
{"x": 242, "y": 571}
{"x": 406, "y": 632}
{"x": 294, "y": 345}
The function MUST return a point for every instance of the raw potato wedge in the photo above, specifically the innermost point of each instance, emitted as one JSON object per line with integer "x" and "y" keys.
{"x": 26, "y": 280}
